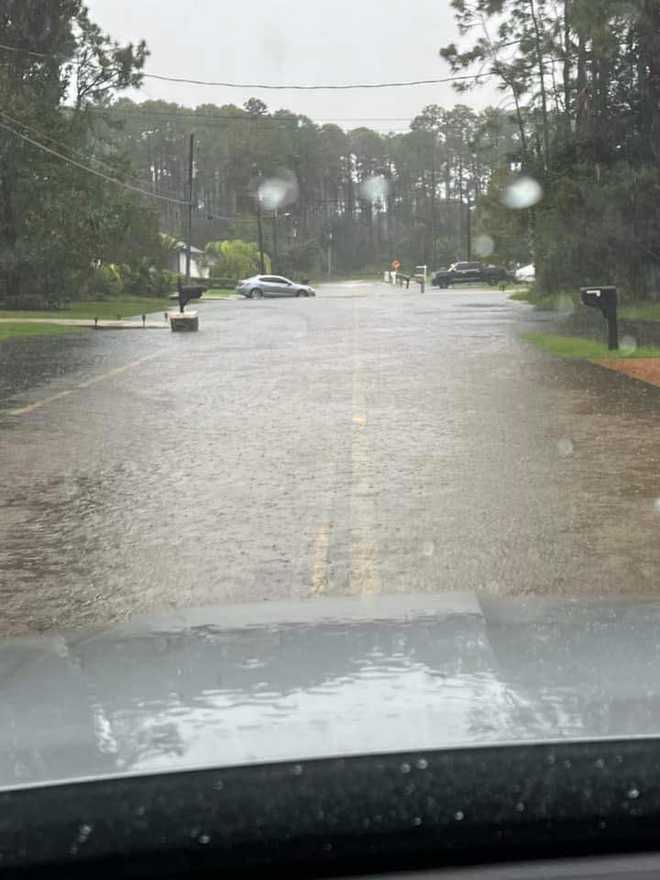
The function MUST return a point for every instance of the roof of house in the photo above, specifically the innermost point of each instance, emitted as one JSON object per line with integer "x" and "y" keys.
{"x": 182, "y": 246}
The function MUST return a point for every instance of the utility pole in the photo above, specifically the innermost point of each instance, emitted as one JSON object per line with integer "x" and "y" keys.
{"x": 433, "y": 186}
{"x": 191, "y": 176}
{"x": 461, "y": 220}
{"x": 262, "y": 264}
{"x": 276, "y": 259}
{"x": 330, "y": 253}
{"x": 260, "y": 230}
{"x": 468, "y": 231}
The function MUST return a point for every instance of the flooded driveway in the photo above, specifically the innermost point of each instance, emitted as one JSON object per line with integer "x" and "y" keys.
{"x": 370, "y": 440}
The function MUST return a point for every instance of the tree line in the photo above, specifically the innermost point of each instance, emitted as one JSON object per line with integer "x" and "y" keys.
{"x": 94, "y": 186}
{"x": 357, "y": 198}
{"x": 582, "y": 80}
{"x": 58, "y": 222}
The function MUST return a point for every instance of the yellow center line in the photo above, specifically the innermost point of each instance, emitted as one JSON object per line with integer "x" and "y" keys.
{"x": 365, "y": 576}
{"x": 39, "y": 403}
{"x": 23, "y": 410}
{"x": 118, "y": 370}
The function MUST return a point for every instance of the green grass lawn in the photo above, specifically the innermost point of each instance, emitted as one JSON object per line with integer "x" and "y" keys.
{"x": 219, "y": 293}
{"x": 590, "y": 349}
{"x": 11, "y": 331}
{"x": 641, "y": 312}
{"x": 559, "y": 301}
{"x": 123, "y": 307}
{"x": 520, "y": 295}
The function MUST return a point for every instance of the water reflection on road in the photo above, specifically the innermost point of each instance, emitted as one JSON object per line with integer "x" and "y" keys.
{"x": 367, "y": 440}
{"x": 224, "y": 687}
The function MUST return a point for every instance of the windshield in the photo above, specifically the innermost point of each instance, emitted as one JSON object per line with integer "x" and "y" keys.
{"x": 320, "y": 312}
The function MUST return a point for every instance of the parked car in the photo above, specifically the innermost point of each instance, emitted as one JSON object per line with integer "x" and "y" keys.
{"x": 470, "y": 273}
{"x": 272, "y": 285}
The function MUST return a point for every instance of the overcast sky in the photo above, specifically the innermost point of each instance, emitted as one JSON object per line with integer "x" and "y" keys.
{"x": 295, "y": 41}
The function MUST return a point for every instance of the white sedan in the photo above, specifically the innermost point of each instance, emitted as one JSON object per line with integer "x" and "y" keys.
{"x": 272, "y": 285}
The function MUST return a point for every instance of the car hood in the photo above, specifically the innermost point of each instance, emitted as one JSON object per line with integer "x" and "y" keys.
{"x": 292, "y": 681}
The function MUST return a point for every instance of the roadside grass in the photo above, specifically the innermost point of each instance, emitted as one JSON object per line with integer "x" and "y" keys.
{"x": 588, "y": 349}
{"x": 519, "y": 295}
{"x": 640, "y": 311}
{"x": 107, "y": 309}
{"x": 218, "y": 293}
{"x": 562, "y": 301}
{"x": 11, "y": 331}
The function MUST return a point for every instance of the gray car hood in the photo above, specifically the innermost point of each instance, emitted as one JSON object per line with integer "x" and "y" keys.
{"x": 289, "y": 681}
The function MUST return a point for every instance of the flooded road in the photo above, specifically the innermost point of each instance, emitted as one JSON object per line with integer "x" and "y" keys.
{"x": 370, "y": 440}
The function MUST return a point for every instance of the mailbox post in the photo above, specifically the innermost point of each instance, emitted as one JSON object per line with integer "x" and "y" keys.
{"x": 186, "y": 320}
{"x": 606, "y": 300}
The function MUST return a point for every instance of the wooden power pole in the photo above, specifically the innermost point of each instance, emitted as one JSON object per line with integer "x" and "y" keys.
{"x": 191, "y": 176}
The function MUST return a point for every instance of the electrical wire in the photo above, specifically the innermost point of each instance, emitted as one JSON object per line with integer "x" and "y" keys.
{"x": 24, "y": 51}
{"x": 89, "y": 170}
{"x": 317, "y": 87}
{"x": 44, "y": 136}
{"x": 111, "y": 179}
{"x": 284, "y": 87}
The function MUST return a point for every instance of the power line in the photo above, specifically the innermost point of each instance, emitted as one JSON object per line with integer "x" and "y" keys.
{"x": 284, "y": 87}
{"x": 108, "y": 177}
{"x": 24, "y": 51}
{"x": 64, "y": 146}
{"x": 316, "y": 87}
{"x": 89, "y": 170}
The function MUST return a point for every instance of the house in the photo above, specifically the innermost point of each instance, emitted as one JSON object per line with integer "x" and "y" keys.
{"x": 177, "y": 261}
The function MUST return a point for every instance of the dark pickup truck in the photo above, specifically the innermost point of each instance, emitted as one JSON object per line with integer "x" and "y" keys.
{"x": 470, "y": 273}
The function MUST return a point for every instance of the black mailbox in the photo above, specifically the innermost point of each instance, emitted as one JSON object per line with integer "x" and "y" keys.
{"x": 606, "y": 300}
{"x": 188, "y": 293}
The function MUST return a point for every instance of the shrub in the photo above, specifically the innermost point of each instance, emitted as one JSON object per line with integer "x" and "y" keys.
{"x": 218, "y": 282}
{"x": 107, "y": 280}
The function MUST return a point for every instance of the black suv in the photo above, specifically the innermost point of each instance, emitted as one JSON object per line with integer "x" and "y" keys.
{"x": 470, "y": 273}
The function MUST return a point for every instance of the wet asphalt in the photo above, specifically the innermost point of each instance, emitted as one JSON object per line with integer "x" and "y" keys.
{"x": 369, "y": 440}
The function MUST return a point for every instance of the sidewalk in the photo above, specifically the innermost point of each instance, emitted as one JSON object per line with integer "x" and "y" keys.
{"x": 133, "y": 324}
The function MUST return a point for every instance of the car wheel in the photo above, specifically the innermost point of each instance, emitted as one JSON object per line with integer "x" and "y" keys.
{"x": 301, "y": 293}
{"x": 256, "y": 293}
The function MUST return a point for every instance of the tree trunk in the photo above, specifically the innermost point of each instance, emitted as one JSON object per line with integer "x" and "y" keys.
{"x": 649, "y": 75}
{"x": 9, "y": 235}
{"x": 350, "y": 199}
{"x": 544, "y": 97}
{"x": 582, "y": 102}
{"x": 566, "y": 70}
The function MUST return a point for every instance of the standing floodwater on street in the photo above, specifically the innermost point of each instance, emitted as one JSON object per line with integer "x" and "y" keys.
{"x": 370, "y": 440}
{"x": 329, "y": 439}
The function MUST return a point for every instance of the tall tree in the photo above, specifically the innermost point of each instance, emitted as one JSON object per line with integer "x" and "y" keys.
{"x": 52, "y": 222}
